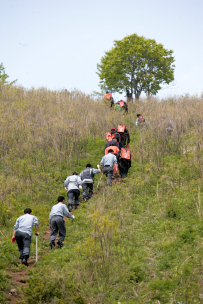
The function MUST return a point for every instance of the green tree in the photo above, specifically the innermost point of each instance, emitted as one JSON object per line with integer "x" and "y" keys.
{"x": 138, "y": 64}
{"x": 4, "y": 76}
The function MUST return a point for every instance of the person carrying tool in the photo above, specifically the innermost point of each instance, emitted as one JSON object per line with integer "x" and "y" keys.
{"x": 124, "y": 161}
{"x": 124, "y": 134}
{"x": 140, "y": 121}
{"x": 107, "y": 163}
{"x": 22, "y": 233}
{"x": 57, "y": 223}
{"x": 73, "y": 187}
{"x": 87, "y": 177}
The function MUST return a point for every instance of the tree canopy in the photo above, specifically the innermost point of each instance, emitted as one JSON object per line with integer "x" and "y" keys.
{"x": 138, "y": 64}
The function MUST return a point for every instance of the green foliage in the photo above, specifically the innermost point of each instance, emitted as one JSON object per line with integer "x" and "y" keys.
{"x": 139, "y": 241}
{"x": 4, "y": 76}
{"x": 136, "y": 63}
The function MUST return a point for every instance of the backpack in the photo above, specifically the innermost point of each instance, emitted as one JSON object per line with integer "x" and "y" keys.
{"x": 125, "y": 154}
{"x": 108, "y": 136}
{"x": 121, "y": 128}
{"x": 141, "y": 118}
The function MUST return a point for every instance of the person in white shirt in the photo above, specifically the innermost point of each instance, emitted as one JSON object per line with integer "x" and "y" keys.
{"x": 73, "y": 184}
{"x": 22, "y": 233}
{"x": 57, "y": 223}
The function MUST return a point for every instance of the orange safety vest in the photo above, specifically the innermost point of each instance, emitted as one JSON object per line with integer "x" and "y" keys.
{"x": 115, "y": 170}
{"x": 121, "y": 103}
{"x": 125, "y": 154}
{"x": 113, "y": 135}
{"x": 121, "y": 129}
{"x": 107, "y": 96}
{"x": 114, "y": 148}
{"x": 108, "y": 136}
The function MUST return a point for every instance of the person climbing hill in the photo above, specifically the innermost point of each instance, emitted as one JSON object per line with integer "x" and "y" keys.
{"x": 22, "y": 233}
{"x": 124, "y": 161}
{"x": 73, "y": 190}
{"x": 107, "y": 163}
{"x": 125, "y": 137}
{"x": 57, "y": 223}
{"x": 140, "y": 121}
{"x": 112, "y": 142}
{"x": 87, "y": 177}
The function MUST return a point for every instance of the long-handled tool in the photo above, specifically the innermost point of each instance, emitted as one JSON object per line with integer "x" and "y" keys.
{"x": 36, "y": 248}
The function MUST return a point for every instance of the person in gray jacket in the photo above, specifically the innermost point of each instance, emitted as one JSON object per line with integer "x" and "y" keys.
{"x": 57, "y": 223}
{"x": 72, "y": 185}
{"x": 107, "y": 163}
{"x": 22, "y": 233}
{"x": 87, "y": 177}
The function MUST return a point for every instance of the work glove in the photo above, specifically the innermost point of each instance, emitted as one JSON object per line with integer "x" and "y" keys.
{"x": 49, "y": 227}
{"x": 73, "y": 217}
{"x": 13, "y": 239}
{"x": 36, "y": 233}
{"x": 80, "y": 187}
{"x": 98, "y": 166}
{"x": 127, "y": 146}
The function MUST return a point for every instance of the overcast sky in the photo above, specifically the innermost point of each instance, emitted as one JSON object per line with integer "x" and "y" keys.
{"x": 57, "y": 44}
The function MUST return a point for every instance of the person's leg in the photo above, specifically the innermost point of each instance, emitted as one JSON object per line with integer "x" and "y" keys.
{"x": 77, "y": 194}
{"x": 90, "y": 186}
{"x": 84, "y": 188}
{"x": 26, "y": 248}
{"x": 62, "y": 230}
{"x": 70, "y": 199}
{"x": 109, "y": 176}
{"x": 124, "y": 172}
{"x": 54, "y": 231}
{"x": 19, "y": 239}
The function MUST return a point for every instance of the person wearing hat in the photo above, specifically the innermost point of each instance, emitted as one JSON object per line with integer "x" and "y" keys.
{"x": 22, "y": 233}
{"x": 57, "y": 223}
{"x": 73, "y": 186}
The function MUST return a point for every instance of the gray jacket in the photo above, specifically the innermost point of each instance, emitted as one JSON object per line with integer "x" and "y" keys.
{"x": 87, "y": 175}
{"x": 59, "y": 209}
{"x": 25, "y": 223}
{"x": 108, "y": 160}
{"x": 73, "y": 182}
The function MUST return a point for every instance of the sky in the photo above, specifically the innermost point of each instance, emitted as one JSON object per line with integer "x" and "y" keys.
{"x": 58, "y": 44}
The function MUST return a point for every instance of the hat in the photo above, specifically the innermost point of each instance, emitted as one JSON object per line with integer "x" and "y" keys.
{"x": 75, "y": 172}
{"x": 112, "y": 129}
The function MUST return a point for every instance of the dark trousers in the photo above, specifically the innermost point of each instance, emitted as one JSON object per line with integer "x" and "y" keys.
{"x": 123, "y": 171}
{"x": 23, "y": 240}
{"x": 108, "y": 171}
{"x": 85, "y": 187}
{"x": 71, "y": 194}
{"x": 57, "y": 224}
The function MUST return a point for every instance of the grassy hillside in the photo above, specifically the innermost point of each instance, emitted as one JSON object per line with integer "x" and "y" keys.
{"x": 137, "y": 242}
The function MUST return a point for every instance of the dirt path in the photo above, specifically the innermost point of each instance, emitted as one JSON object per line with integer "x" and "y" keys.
{"x": 19, "y": 275}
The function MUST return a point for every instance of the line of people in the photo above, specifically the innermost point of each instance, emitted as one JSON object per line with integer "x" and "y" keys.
{"x": 117, "y": 159}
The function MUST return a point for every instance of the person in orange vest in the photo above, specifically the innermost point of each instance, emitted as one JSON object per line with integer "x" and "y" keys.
{"x": 123, "y": 105}
{"x": 107, "y": 95}
{"x": 124, "y": 161}
{"x": 124, "y": 134}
